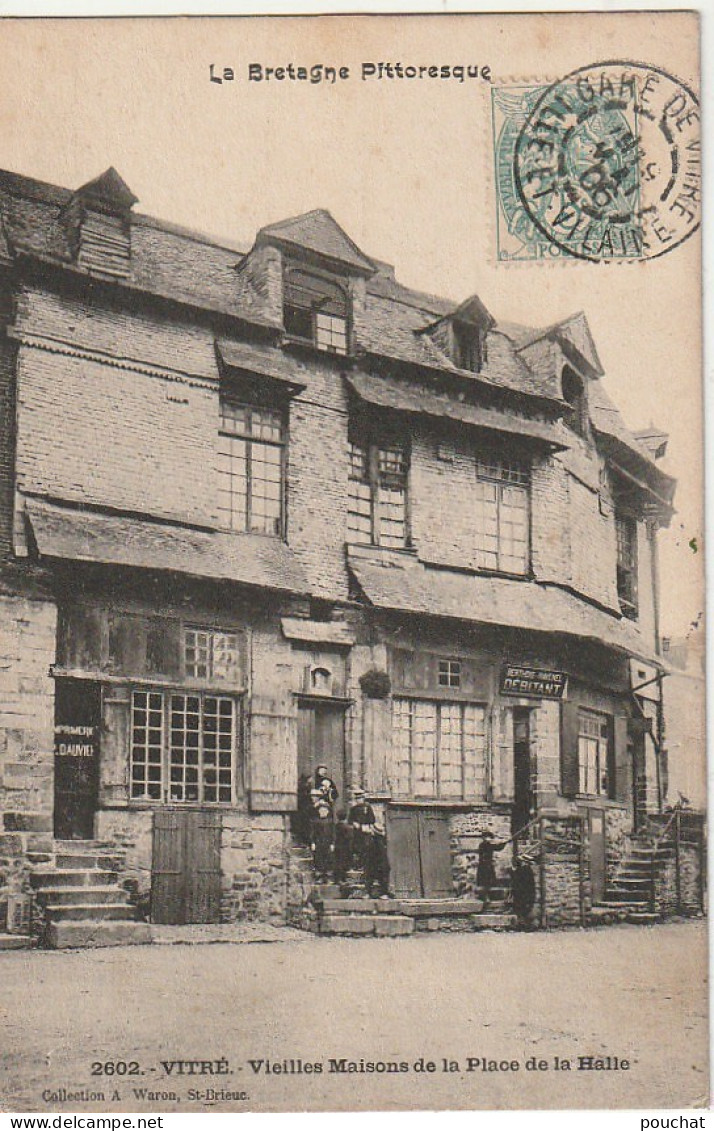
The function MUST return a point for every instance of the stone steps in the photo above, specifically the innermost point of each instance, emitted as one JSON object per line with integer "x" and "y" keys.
{"x": 90, "y": 933}
{"x": 82, "y": 896}
{"x": 363, "y": 916}
{"x": 71, "y": 877}
{"x": 65, "y": 860}
{"x": 81, "y": 900}
{"x": 15, "y": 942}
{"x": 94, "y": 912}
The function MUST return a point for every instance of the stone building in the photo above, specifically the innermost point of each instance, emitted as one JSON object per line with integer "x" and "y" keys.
{"x": 265, "y": 508}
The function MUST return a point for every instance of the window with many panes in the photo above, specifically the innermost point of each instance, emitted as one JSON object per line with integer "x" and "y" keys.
{"x": 449, "y": 674}
{"x": 212, "y": 655}
{"x": 502, "y": 515}
{"x": 626, "y": 534}
{"x": 315, "y": 309}
{"x": 438, "y": 750}
{"x": 594, "y": 753}
{"x": 251, "y": 468}
{"x": 377, "y": 509}
{"x": 184, "y": 747}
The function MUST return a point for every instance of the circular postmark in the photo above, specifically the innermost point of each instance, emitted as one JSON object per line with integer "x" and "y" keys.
{"x": 608, "y": 162}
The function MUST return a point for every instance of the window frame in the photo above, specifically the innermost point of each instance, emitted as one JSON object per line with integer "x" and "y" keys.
{"x": 450, "y": 668}
{"x": 212, "y": 631}
{"x": 440, "y": 705}
{"x": 373, "y": 448}
{"x": 249, "y": 439}
{"x": 604, "y": 761}
{"x": 237, "y": 764}
{"x": 314, "y": 311}
{"x": 468, "y": 346}
{"x": 518, "y": 465}
{"x": 627, "y": 573}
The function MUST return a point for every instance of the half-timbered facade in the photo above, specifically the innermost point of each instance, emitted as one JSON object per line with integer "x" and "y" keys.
{"x": 267, "y": 508}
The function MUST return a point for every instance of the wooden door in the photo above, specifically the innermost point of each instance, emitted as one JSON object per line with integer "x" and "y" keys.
{"x": 186, "y": 866}
{"x": 321, "y": 741}
{"x": 419, "y": 850}
{"x": 403, "y": 851}
{"x": 596, "y": 824}
{"x": 76, "y": 761}
{"x": 435, "y": 854}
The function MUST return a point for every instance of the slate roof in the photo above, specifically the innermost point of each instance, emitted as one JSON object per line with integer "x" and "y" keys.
{"x": 388, "y": 392}
{"x": 249, "y": 357}
{"x": 319, "y": 232}
{"x": 62, "y": 532}
{"x": 399, "y": 582}
{"x": 572, "y": 331}
{"x": 606, "y": 421}
{"x": 396, "y": 332}
{"x": 179, "y": 264}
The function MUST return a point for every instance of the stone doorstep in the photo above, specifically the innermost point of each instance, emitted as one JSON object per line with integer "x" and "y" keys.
{"x": 16, "y": 942}
{"x": 436, "y": 907}
{"x": 66, "y": 934}
{"x": 71, "y": 877}
{"x": 337, "y": 923}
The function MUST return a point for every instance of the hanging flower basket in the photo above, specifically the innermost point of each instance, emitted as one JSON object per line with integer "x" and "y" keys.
{"x": 375, "y": 684}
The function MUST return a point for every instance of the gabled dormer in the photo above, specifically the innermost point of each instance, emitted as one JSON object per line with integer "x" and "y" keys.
{"x": 323, "y": 275}
{"x": 97, "y": 221}
{"x": 461, "y": 335}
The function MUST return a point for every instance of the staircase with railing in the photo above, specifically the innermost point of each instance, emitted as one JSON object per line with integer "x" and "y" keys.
{"x": 662, "y": 873}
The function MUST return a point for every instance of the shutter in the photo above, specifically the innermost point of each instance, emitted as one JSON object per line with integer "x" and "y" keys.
{"x": 622, "y": 763}
{"x": 377, "y": 737}
{"x": 114, "y": 745}
{"x": 569, "y": 770}
{"x": 272, "y": 768}
{"x": 502, "y": 773}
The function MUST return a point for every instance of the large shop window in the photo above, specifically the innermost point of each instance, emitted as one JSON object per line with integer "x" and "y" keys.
{"x": 626, "y": 533}
{"x": 184, "y": 747}
{"x": 316, "y": 310}
{"x": 594, "y": 753}
{"x": 251, "y": 468}
{"x": 378, "y": 494}
{"x": 502, "y": 515}
{"x": 438, "y": 750}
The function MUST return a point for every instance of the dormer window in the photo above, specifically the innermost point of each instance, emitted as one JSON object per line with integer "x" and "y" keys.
{"x": 468, "y": 347}
{"x": 316, "y": 310}
{"x": 574, "y": 394}
{"x": 98, "y": 225}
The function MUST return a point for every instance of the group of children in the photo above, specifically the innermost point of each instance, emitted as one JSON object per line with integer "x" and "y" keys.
{"x": 341, "y": 840}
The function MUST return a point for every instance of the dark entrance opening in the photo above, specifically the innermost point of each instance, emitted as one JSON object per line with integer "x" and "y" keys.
{"x": 419, "y": 852}
{"x": 78, "y": 711}
{"x": 321, "y": 741}
{"x": 522, "y": 784}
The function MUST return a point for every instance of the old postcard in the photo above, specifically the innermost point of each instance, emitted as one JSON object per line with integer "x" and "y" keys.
{"x": 351, "y": 564}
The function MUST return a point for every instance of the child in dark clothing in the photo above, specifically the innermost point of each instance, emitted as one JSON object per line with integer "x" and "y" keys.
{"x": 343, "y": 848}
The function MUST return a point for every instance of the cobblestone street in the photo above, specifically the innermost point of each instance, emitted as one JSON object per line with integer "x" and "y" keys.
{"x": 631, "y": 994}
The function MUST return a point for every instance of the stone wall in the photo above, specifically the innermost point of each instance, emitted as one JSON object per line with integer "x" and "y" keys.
{"x": 665, "y": 887}
{"x": 128, "y": 834}
{"x": 562, "y": 872}
{"x": 27, "y": 649}
{"x": 618, "y": 830}
{"x": 466, "y": 830}
{"x": 691, "y": 862}
{"x": 254, "y": 849}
